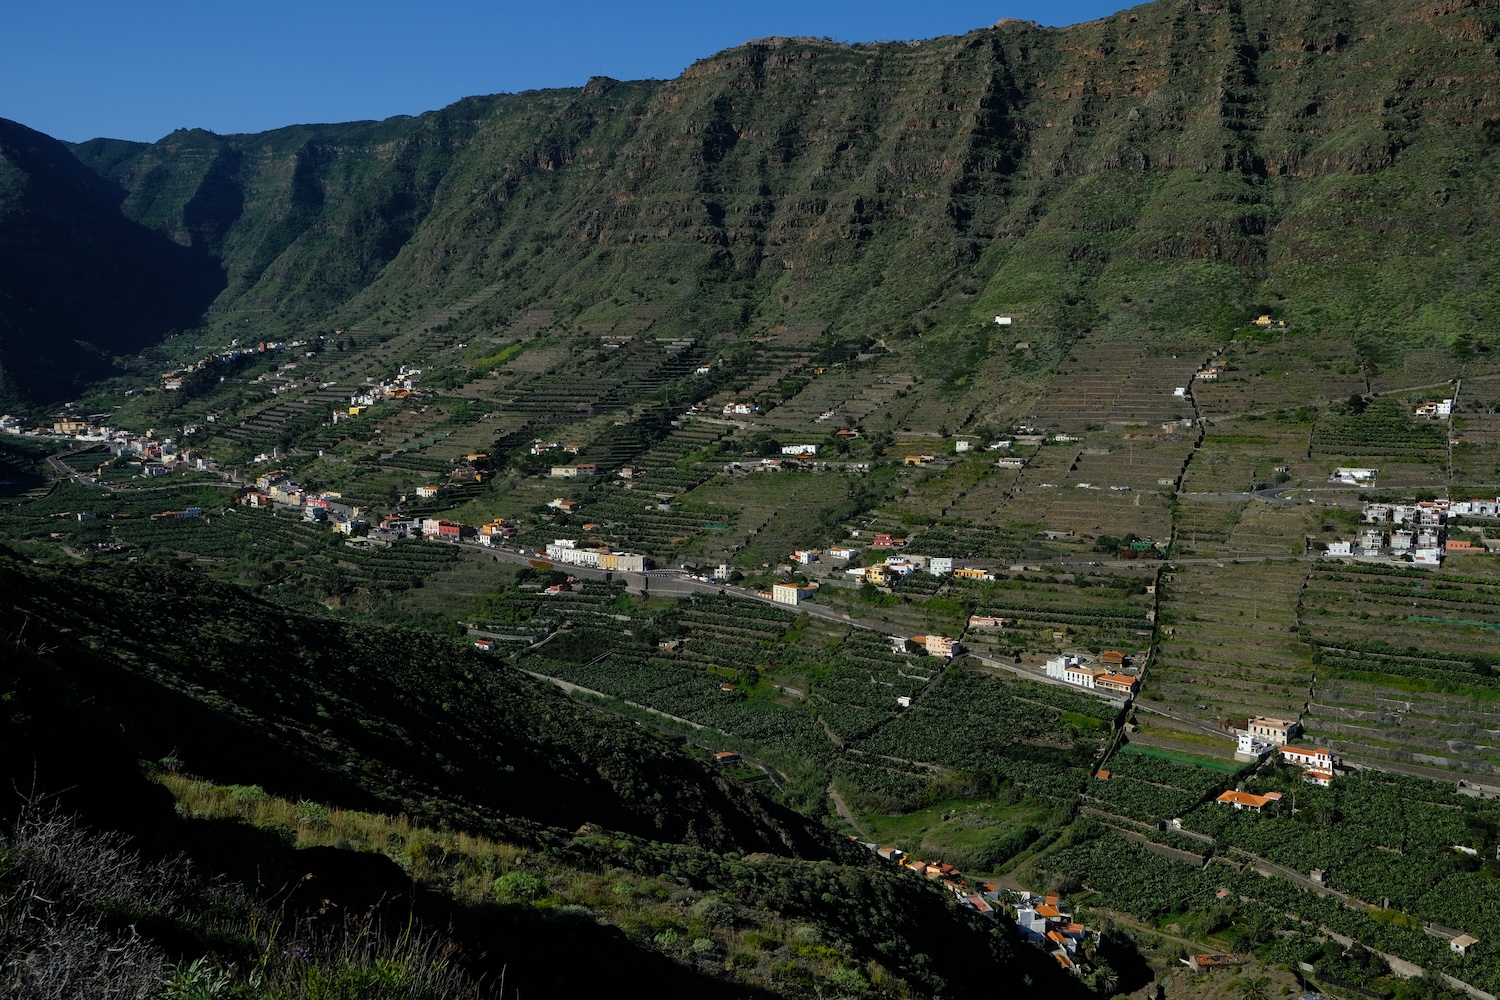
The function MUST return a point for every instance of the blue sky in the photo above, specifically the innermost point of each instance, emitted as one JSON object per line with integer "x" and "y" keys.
{"x": 77, "y": 69}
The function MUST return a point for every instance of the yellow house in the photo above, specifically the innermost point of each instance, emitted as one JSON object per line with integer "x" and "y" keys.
{"x": 876, "y": 574}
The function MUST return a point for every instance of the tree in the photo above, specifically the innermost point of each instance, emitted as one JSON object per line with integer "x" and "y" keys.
{"x": 1106, "y": 979}
{"x": 1252, "y": 987}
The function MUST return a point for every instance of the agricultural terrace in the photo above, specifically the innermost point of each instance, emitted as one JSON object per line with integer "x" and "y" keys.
{"x": 1430, "y": 366}
{"x": 1202, "y": 526}
{"x": 853, "y": 393}
{"x": 1229, "y": 647}
{"x": 682, "y": 688}
{"x": 1236, "y": 908}
{"x": 1410, "y": 453}
{"x": 1380, "y": 838}
{"x": 1118, "y": 382}
{"x": 1267, "y": 370}
{"x": 1238, "y": 454}
{"x": 1476, "y": 431}
{"x": 1152, "y": 786}
{"x": 775, "y": 513}
{"x": 968, "y": 825}
{"x": 855, "y": 689}
{"x": 1407, "y": 664}
{"x": 1092, "y": 610}
{"x": 1040, "y": 737}
{"x": 1271, "y": 530}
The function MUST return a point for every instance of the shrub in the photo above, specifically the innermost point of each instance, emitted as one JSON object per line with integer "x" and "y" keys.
{"x": 247, "y": 793}
{"x": 714, "y": 911}
{"x": 519, "y": 885}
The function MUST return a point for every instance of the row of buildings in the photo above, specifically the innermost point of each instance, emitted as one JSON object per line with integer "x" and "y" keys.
{"x": 1106, "y": 675}
{"x": 1414, "y": 532}
{"x": 1264, "y": 735}
{"x": 1044, "y": 920}
{"x": 944, "y": 874}
{"x": 568, "y": 552}
{"x": 940, "y": 646}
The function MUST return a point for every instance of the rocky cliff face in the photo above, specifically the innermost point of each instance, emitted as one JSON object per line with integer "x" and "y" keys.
{"x": 1152, "y": 172}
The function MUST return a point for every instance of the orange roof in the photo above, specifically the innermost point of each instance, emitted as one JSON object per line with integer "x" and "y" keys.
{"x": 1125, "y": 679}
{"x": 1062, "y": 960}
{"x": 1048, "y": 910}
{"x": 1103, "y": 775}
{"x": 1052, "y": 899}
{"x": 1057, "y": 936}
{"x": 1075, "y": 928}
{"x": 1247, "y": 799}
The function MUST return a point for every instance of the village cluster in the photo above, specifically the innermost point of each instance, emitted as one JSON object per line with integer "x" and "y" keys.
{"x": 1043, "y": 920}
{"x": 1262, "y": 736}
{"x": 1415, "y": 532}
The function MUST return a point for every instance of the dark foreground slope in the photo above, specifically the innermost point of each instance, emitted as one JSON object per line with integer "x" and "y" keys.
{"x": 244, "y": 692}
{"x": 100, "y": 672}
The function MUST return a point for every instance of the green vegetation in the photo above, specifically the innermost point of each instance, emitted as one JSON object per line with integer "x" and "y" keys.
{"x": 799, "y": 243}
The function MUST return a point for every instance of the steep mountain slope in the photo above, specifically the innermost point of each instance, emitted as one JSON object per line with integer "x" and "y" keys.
{"x": 1153, "y": 171}
{"x": 79, "y": 281}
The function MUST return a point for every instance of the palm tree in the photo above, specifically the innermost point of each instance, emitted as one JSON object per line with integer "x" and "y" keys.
{"x": 1106, "y": 979}
{"x": 1253, "y": 987}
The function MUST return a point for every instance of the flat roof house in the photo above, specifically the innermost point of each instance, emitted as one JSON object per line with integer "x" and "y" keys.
{"x": 1277, "y": 731}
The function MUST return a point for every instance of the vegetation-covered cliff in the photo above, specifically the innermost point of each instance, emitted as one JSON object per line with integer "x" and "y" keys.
{"x": 1118, "y": 175}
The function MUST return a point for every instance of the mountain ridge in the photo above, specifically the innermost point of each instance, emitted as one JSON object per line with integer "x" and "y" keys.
{"x": 1166, "y": 155}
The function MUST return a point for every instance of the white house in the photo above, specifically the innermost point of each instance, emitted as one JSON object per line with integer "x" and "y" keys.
{"x": 1083, "y": 676}
{"x": 1058, "y": 665}
{"x": 1336, "y": 549}
{"x": 1005, "y": 320}
{"x": 799, "y": 449}
{"x": 1476, "y": 508}
{"x": 1277, "y": 731}
{"x": 1308, "y": 757}
{"x": 1251, "y": 745}
{"x": 940, "y": 565}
